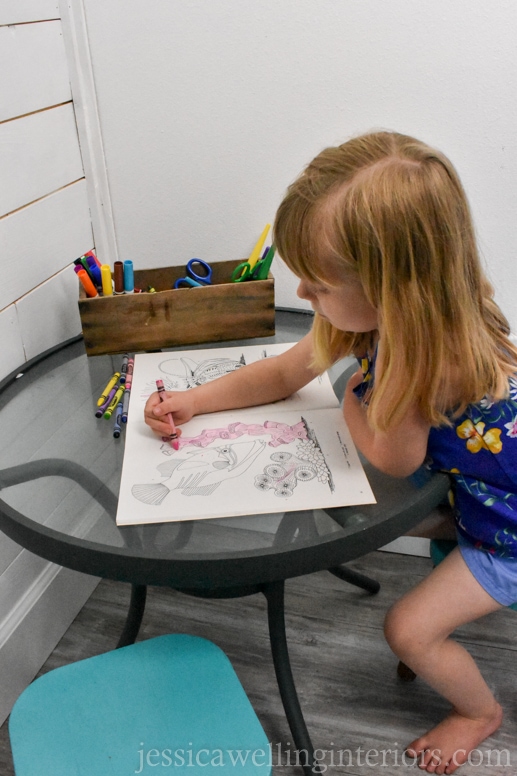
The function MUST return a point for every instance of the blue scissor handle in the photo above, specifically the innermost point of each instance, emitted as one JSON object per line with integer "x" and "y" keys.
{"x": 206, "y": 277}
{"x": 187, "y": 282}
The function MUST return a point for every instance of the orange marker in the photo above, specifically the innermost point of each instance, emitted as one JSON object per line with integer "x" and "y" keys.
{"x": 87, "y": 283}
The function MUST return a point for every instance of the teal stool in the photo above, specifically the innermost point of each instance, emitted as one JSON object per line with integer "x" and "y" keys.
{"x": 169, "y": 702}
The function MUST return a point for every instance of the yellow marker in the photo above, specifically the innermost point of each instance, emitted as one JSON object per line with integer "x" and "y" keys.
{"x": 107, "y": 286}
{"x": 255, "y": 253}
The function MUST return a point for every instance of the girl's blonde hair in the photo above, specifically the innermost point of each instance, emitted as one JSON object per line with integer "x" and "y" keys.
{"x": 393, "y": 210}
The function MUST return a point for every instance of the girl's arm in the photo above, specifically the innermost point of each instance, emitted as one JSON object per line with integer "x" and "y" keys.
{"x": 398, "y": 452}
{"x": 262, "y": 382}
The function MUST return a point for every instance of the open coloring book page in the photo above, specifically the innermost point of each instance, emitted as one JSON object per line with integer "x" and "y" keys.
{"x": 182, "y": 370}
{"x": 292, "y": 455}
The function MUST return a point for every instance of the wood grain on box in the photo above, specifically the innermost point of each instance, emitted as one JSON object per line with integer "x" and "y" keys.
{"x": 185, "y": 316}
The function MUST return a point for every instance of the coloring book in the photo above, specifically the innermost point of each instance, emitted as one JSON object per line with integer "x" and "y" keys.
{"x": 291, "y": 455}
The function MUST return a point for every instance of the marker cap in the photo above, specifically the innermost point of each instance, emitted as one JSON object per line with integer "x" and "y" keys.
{"x": 119, "y": 277}
{"x": 87, "y": 283}
{"x": 107, "y": 285}
{"x": 129, "y": 281}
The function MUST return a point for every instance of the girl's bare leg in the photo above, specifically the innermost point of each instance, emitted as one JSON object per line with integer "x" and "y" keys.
{"x": 417, "y": 629}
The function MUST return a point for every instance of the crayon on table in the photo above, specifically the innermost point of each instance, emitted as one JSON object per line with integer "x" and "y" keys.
{"x": 173, "y": 437}
{"x": 99, "y": 412}
{"x": 113, "y": 405}
{"x": 123, "y": 369}
{"x": 125, "y": 405}
{"x": 117, "y": 427}
{"x": 111, "y": 384}
{"x": 127, "y": 391}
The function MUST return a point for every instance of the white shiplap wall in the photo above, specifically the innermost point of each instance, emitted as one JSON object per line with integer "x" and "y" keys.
{"x": 44, "y": 225}
{"x": 44, "y": 215}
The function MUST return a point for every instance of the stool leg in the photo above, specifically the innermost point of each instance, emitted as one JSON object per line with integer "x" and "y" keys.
{"x": 274, "y": 592}
{"x": 405, "y": 672}
{"x": 355, "y": 578}
{"x": 134, "y": 617}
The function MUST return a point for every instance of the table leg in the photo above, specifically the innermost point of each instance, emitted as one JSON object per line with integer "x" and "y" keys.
{"x": 134, "y": 617}
{"x": 355, "y": 578}
{"x": 274, "y": 592}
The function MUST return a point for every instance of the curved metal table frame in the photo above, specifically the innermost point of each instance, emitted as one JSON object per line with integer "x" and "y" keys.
{"x": 218, "y": 576}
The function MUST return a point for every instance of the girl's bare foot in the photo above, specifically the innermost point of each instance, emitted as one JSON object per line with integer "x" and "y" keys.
{"x": 448, "y": 745}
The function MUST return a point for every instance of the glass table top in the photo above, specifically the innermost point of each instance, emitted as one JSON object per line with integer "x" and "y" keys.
{"x": 48, "y": 428}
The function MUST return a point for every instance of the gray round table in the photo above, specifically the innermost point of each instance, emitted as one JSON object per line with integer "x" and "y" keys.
{"x": 59, "y": 475}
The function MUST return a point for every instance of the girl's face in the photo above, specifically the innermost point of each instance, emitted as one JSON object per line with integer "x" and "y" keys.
{"x": 344, "y": 303}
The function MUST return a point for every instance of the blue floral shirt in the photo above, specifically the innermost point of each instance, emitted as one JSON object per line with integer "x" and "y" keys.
{"x": 479, "y": 452}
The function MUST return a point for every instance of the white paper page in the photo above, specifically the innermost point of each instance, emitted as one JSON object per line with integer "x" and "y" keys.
{"x": 181, "y": 370}
{"x": 253, "y": 461}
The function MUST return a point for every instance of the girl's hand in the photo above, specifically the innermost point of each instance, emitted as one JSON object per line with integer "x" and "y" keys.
{"x": 179, "y": 403}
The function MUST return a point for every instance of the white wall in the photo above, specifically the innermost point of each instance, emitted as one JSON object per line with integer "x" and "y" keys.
{"x": 209, "y": 110}
{"x": 44, "y": 213}
{"x": 44, "y": 225}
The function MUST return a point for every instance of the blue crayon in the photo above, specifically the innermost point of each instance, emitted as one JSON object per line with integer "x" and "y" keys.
{"x": 123, "y": 369}
{"x": 117, "y": 427}
{"x": 125, "y": 405}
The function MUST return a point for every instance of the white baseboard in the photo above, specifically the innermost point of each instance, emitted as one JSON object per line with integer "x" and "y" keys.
{"x": 408, "y": 545}
{"x": 35, "y": 624}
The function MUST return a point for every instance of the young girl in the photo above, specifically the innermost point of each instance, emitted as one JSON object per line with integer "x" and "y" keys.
{"x": 379, "y": 233}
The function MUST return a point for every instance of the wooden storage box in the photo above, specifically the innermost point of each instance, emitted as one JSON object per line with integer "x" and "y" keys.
{"x": 183, "y": 316}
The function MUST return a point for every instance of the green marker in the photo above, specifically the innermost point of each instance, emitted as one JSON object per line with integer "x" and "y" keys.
{"x": 265, "y": 264}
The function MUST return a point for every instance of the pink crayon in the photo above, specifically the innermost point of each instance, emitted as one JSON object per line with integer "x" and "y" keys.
{"x": 129, "y": 373}
{"x": 173, "y": 439}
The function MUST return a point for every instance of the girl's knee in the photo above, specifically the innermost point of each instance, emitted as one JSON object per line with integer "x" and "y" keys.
{"x": 396, "y": 627}
{"x": 402, "y": 631}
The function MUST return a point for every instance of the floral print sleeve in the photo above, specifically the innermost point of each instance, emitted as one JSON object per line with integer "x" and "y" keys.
{"x": 364, "y": 389}
{"x": 479, "y": 451}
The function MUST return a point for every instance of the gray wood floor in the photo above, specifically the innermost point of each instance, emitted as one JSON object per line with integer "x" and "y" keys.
{"x": 345, "y": 672}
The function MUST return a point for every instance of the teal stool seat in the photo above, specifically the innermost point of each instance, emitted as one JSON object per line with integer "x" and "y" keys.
{"x": 169, "y": 702}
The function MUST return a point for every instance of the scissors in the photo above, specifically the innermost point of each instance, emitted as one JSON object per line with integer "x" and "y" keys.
{"x": 193, "y": 278}
{"x": 245, "y": 271}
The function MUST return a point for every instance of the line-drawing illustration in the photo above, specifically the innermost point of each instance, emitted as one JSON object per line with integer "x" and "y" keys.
{"x": 184, "y": 372}
{"x": 200, "y": 471}
{"x": 221, "y": 468}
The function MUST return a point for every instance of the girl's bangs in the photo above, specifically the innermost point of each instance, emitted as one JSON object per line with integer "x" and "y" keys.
{"x": 296, "y": 236}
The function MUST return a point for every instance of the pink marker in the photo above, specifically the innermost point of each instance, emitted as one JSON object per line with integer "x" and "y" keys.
{"x": 173, "y": 438}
